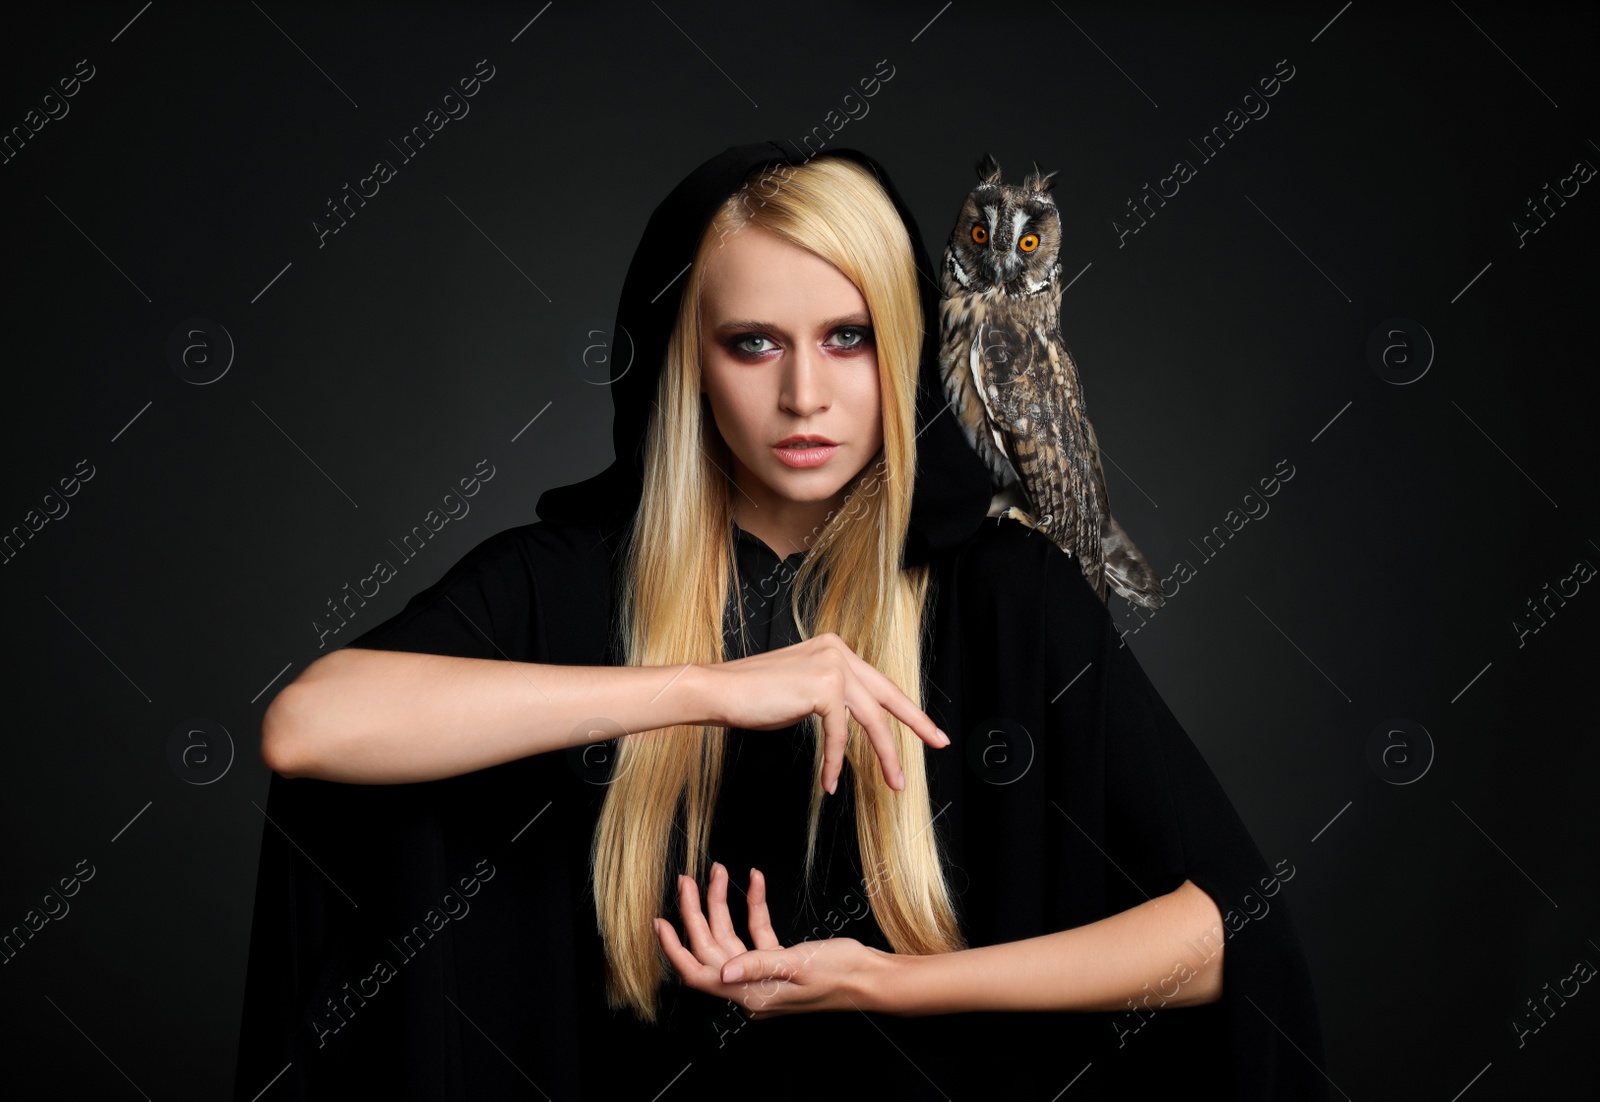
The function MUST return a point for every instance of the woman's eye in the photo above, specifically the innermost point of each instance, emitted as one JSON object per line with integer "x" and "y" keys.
{"x": 855, "y": 337}
{"x": 739, "y": 344}
{"x": 848, "y": 339}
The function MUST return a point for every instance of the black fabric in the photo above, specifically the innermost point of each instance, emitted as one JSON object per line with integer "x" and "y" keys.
{"x": 1070, "y": 793}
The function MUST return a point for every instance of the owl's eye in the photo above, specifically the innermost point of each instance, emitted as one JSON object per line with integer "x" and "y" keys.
{"x": 979, "y": 234}
{"x": 1029, "y": 242}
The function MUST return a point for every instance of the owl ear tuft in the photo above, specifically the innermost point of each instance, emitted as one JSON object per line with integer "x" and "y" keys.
{"x": 989, "y": 169}
{"x": 1038, "y": 182}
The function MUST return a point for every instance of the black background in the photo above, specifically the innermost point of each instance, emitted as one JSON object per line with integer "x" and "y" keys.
{"x": 447, "y": 324}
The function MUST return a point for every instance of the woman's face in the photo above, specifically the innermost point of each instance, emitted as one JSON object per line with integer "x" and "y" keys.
{"x": 788, "y": 349}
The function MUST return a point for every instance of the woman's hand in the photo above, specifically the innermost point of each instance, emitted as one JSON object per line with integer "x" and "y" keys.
{"x": 771, "y": 690}
{"x": 839, "y": 973}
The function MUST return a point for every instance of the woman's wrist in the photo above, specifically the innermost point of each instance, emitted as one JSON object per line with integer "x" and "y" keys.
{"x": 887, "y": 986}
{"x": 701, "y": 696}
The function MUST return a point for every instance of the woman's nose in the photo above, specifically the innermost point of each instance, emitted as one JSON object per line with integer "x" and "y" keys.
{"x": 805, "y": 382}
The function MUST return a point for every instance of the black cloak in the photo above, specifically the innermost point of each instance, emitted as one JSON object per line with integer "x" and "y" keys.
{"x": 438, "y": 940}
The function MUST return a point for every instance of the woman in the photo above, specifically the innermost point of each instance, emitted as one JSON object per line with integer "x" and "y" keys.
{"x": 510, "y": 912}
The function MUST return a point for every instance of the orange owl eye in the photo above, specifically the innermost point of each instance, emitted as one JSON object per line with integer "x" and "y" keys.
{"x": 1029, "y": 242}
{"x": 979, "y": 234}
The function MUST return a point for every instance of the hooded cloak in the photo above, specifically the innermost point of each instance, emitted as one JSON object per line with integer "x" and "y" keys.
{"x": 438, "y": 940}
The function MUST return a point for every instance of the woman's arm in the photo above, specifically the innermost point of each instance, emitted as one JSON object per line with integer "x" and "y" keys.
{"x": 1166, "y": 952}
{"x": 394, "y": 717}
{"x": 391, "y": 717}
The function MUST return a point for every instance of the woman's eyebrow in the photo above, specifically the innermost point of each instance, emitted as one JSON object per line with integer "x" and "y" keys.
{"x": 857, "y": 318}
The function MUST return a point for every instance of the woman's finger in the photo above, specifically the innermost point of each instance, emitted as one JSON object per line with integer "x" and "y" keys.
{"x": 697, "y": 975}
{"x": 761, "y": 931}
{"x": 700, "y": 940}
{"x": 767, "y": 971}
{"x": 835, "y": 733}
{"x": 892, "y": 697}
{"x": 717, "y": 904}
{"x": 874, "y": 721}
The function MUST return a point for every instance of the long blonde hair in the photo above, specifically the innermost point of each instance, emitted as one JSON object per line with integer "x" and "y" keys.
{"x": 677, "y": 580}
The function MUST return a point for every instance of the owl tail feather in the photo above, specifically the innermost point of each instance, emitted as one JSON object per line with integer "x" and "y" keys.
{"x": 1126, "y": 568}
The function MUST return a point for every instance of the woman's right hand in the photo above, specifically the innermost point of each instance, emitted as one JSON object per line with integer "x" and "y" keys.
{"x": 822, "y": 675}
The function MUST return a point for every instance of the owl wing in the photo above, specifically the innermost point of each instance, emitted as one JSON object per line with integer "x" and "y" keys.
{"x": 1013, "y": 373}
{"x": 959, "y": 314}
{"x": 1094, "y": 464}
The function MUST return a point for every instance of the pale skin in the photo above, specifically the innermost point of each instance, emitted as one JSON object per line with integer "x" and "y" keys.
{"x": 803, "y": 381}
{"x": 787, "y": 349}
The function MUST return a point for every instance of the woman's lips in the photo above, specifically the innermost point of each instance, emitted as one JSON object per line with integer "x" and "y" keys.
{"x": 805, "y": 455}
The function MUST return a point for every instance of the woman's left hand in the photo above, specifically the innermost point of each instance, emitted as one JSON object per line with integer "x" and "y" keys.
{"x": 839, "y": 973}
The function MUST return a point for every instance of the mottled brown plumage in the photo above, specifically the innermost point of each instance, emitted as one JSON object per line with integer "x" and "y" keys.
{"x": 1014, "y": 387}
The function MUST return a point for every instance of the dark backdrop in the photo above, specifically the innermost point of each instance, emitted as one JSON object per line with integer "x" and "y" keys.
{"x": 1352, "y": 292}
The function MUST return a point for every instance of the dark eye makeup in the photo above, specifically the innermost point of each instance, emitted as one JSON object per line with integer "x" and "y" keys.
{"x": 858, "y": 337}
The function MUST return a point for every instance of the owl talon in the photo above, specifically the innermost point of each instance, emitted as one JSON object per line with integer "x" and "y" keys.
{"x": 1020, "y": 515}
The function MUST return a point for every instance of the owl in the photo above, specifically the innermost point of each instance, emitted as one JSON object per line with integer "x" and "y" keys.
{"x": 1014, "y": 386}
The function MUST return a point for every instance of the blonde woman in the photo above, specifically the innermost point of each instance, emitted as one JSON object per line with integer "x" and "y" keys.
{"x": 764, "y": 746}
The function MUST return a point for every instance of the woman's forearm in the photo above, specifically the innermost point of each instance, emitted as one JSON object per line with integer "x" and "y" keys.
{"x": 388, "y": 717}
{"x": 1166, "y": 952}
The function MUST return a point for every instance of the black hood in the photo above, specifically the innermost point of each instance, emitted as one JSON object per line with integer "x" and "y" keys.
{"x": 952, "y": 491}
